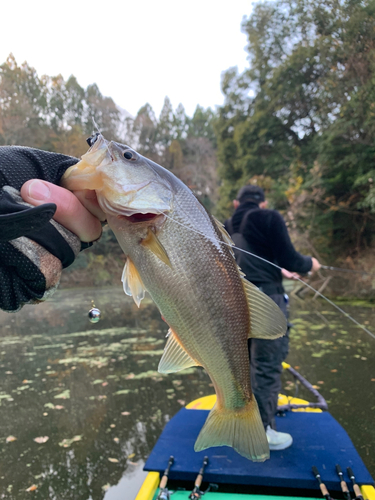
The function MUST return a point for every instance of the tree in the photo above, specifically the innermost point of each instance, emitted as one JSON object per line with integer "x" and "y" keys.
{"x": 145, "y": 128}
{"x": 200, "y": 169}
{"x": 22, "y": 103}
{"x": 51, "y": 113}
{"x": 165, "y": 124}
{"x": 303, "y": 114}
{"x": 180, "y": 123}
{"x": 57, "y": 115}
{"x": 103, "y": 111}
{"x": 201, "y": 124}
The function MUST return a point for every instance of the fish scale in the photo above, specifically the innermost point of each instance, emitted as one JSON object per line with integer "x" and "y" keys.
{"x": 195, "y": 302}
{"x": 178, "y": 253}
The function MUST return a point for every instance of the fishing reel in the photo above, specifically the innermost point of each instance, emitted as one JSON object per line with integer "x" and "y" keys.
{"x": 164, "y": 494}
{"x": 198, "y": 493}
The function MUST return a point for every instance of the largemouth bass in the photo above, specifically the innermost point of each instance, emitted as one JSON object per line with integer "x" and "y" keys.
{"x": 177, "y": 252}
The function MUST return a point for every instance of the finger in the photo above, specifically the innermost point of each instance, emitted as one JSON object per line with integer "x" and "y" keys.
{"x": 89, "y": 200}
{"x": 70, "y": 212}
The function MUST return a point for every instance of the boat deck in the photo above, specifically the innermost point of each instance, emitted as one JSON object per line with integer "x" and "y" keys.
{"x": 318, "y": 440}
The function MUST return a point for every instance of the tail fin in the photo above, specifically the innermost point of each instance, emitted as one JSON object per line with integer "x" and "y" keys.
{"x": 241, "y": 429}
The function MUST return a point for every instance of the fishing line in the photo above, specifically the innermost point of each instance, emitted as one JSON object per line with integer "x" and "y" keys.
{"x": 342, "y": 270}
{"x": 260, "y": 258}
{"x": 99, "y": 132}
{"x": 278, "y": 267}
{"x": 96, "y": 126}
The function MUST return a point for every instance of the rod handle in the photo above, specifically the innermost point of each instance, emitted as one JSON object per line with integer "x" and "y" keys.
{"x": 163, "y": 482}
{"x": 357, "y": 491}
{"x": 199, "y": 480}
{"x": 344, "y": 487}
{"x": 324, "y": 490}
{"x": 164, "y": 479}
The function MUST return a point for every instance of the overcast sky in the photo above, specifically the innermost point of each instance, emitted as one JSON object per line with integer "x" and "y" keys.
{"x": 136, "y": 51}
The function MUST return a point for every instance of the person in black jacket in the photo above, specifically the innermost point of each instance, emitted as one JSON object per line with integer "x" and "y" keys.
{"x": 42, "y": 226}
{"x": 263, "y": 232}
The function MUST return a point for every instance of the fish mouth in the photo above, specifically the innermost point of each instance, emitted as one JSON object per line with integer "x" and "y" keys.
{"x": 139, "y": 217}
{"x": 127, "y": 213}
{"x": 124, "y": 214}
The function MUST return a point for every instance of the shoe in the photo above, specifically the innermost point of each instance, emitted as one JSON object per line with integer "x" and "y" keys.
{"x": 278, "y": 440}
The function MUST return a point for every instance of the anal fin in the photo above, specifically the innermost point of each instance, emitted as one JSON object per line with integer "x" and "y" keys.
{"x": 174, "y": 358}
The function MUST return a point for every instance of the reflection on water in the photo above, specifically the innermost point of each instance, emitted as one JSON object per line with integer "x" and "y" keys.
{"x": 93, "y": 390}
{"x": 94, "y": 398}
{"x": 339, "y": 358}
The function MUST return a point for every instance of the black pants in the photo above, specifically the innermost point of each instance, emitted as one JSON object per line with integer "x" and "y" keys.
{"x": 266, "y": 357}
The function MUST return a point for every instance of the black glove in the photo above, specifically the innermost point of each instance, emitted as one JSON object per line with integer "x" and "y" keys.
{"x": 33, "y": 247}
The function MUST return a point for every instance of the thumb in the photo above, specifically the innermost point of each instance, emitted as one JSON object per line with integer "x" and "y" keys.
{"x": 70, "y": 212}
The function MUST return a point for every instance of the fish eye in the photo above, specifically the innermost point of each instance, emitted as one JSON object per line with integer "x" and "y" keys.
{"x": 128, "y": 155}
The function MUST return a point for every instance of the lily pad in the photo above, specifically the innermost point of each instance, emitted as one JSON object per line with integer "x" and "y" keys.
{"x": 41, "y": 439}
{"x": 65, "y": 443}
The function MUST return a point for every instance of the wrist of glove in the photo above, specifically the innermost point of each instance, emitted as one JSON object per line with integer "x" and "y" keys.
{"x": 31, "y": 264}
{"x": 34, "y": 248}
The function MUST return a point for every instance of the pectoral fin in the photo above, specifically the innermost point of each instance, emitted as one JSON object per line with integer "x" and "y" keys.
{"x": 174, "y": 358}
{"x": 153, "y": 244}
{"x": 132, "y": 282}
{"x": 267, "y": 320}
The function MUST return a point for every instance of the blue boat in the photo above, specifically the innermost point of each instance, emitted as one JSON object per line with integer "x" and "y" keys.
{"x": 319, "y": 441}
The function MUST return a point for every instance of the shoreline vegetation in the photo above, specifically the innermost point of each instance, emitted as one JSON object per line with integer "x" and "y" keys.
{"x": 102, "y": 265}
{"x": 298, "y": 121}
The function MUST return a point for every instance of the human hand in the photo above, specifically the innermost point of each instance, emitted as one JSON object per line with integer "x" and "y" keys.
{"x": 289, "y": 275}
{"x": 70, "y": 212}
{"x": 315, "y": 265}
{"x": 33, "y": 248}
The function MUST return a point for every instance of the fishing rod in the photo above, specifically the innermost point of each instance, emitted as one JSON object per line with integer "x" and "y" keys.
{"x": 344, "y": 486}
{"x": 197, "y": 493}
{"x": 164, "y": 493}
{"x": 342, "y": 270}
{"x": 232, "y": 246}
{"x": 356, "y": 488}
{"x": 322, "y": 486}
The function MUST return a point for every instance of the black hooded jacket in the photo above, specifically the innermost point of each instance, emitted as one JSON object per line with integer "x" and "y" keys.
{"x": 267, "y": 236}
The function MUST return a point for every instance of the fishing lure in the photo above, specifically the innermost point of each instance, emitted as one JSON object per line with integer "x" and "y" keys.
{"x": 94, "y": 313}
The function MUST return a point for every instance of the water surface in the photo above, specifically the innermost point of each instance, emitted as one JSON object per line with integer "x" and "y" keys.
{"x": 91, "y": 396}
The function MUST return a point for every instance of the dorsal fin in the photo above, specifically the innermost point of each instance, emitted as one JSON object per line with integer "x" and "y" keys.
{"x": 226, "y": 237}
{"x": 153, "y": 244}
{"x": 174, "y": 358}
{"x": 132, "y": 282}
{"x": 267, "y": 320}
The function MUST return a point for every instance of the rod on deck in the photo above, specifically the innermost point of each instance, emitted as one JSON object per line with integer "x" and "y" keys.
{"x": 356, "y": 488}
{"x": 344, "y": 486}
{"x": 197, "y": 493}
{"x": 164, "y": 493}
{"x": 322, "y": 486}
